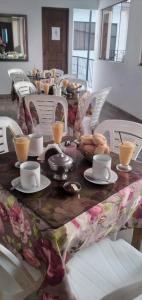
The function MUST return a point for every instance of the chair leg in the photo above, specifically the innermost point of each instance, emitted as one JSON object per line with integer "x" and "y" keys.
{"x": 137, "y": 238}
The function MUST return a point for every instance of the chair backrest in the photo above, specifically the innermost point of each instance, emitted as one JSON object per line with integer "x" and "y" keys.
{"x": 6, "y": 122}
{"x": 45, "y": 106}
{"x": 24, "y": 88}
{"x": 12, "y": 72}
{"x": 17, "y": 75}
{"x": 46, "y": 73}
{"x": 59, "y": 73}
{"x": 17, "y": 278}
{"x": 53, "y": 72}
{"x": 127, "y": 130}
{"x": 68, "y": 76}
{"x": 97, "y": 101}
{"x": 20, "y": 77}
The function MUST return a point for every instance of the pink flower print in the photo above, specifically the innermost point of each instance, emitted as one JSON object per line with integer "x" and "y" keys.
{"x": 138, "y": 212}
{"x": 20, "y": 225}
{"x": 76, "y": 223}
{"x": 48, "y": 297}
{"x": 95, "y": 212}
{"x": 30, "y": 257}
{"x": 27, "y": 231}
{"x": 72, "y": 111}
{"x": 126, "y": 195}
{"x": 17, "y": 220}
{"x": 1, "y": 226}
{"x": 55, "y": 270}
{"x": 3, "y": 212}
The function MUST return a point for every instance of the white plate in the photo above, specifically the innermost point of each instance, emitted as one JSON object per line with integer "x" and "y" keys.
{"x": 16, "y": 183}
{"x": 88, "y": 176}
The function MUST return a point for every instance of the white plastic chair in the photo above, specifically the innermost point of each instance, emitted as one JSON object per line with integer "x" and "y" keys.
{"x": 68, "y": 76}
{"x": 6, "y": 122}
{"x": 107, "y": 270}
{"x": 45, "y": 106}
{"x": 59, "y": 73}
{"x": 46, "y": 73}
{"x": 128, "y": 130}
{"x": 97, "y": 101}
{"x": 17, "y": 279}
{"x": 24, "y": 88}
{"x": 55, "y": 72}
{"x": 17, "y": 75}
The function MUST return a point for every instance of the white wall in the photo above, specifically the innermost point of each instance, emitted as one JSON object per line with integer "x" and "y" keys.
{"x": 32, "y": 8}
{"x": 125, "y": 78}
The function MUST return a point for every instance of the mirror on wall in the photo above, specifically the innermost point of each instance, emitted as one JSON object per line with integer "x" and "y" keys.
{"x": 13, "y": 38}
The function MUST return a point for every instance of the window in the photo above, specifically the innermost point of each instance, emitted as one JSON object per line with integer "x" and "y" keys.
{"x": 82, "y": 34}
{"x": 84, "y": 24}
{"x": 114, "y": 31}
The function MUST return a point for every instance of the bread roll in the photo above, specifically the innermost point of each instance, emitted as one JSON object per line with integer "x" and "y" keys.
{"x": 89, "y": 149}
{"x": 100, "y": 149}
{"x": 87, "y": 139}
{"x": 99, "y": 139}
{"x": 107, "y": 150}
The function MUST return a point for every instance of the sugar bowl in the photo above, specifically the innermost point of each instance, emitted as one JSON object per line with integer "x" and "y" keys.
{"x": 60, "y": 164}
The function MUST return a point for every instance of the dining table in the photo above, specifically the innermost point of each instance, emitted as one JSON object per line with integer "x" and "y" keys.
{"x": 48, "y": 227}
{"x": 78, "y": 107}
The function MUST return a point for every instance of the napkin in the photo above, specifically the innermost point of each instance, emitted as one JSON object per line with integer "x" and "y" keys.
{"x": 54, "y": 146}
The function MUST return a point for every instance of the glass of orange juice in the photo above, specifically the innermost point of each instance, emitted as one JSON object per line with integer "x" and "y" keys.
{"x": 57, "y": 129}
{"x": 38, "y": 85}
{"x": 126, "y": 151}
{"x": 65, "y": 83}
{"x": 21, "y": 144}
{"x": 46, "y": 88}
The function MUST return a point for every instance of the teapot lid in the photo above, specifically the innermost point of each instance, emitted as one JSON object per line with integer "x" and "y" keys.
{"x": 60, "y": 159}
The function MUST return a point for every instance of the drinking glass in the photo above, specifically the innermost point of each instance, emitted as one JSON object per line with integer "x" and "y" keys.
{"x": 38, "y": 86}
{"x": 21, "y": 144}
{"x": 126, "y": 151}
{"x": 65, "y": 83}
{"x": 57, "y": 129}
{"x": 46, "y": 88}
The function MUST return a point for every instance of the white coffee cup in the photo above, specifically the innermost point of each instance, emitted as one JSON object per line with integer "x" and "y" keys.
{"x": 57, "y": 90}
{"x": 30, "y": 174}
{"x": 36, "y": 144}
{"x": 101, "y": 169}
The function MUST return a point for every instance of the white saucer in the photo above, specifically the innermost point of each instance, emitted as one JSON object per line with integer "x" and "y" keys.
{"x": 88, "y": 176}
{"x": 16, "y": 183}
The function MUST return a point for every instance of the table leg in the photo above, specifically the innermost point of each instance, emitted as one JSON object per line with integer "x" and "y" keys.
{"x": 137, "y": 238}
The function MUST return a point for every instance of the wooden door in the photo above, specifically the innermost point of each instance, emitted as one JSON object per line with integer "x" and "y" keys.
{"x": 55, "y": 38}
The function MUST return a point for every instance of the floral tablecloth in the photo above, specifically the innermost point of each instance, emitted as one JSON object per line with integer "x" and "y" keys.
{"x": 28, "y": 236}
{"x": 28, "y": 232}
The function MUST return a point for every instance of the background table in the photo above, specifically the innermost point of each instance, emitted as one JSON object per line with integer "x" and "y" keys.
{"x": 47, "y": 227}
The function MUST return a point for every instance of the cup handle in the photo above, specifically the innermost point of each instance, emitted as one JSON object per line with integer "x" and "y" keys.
{"x": 109, "y": 173}
{"x": 36, "y": 179}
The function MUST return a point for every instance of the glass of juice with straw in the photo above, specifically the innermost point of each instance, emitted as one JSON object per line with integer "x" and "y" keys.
{"x": 126, "y": 150}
